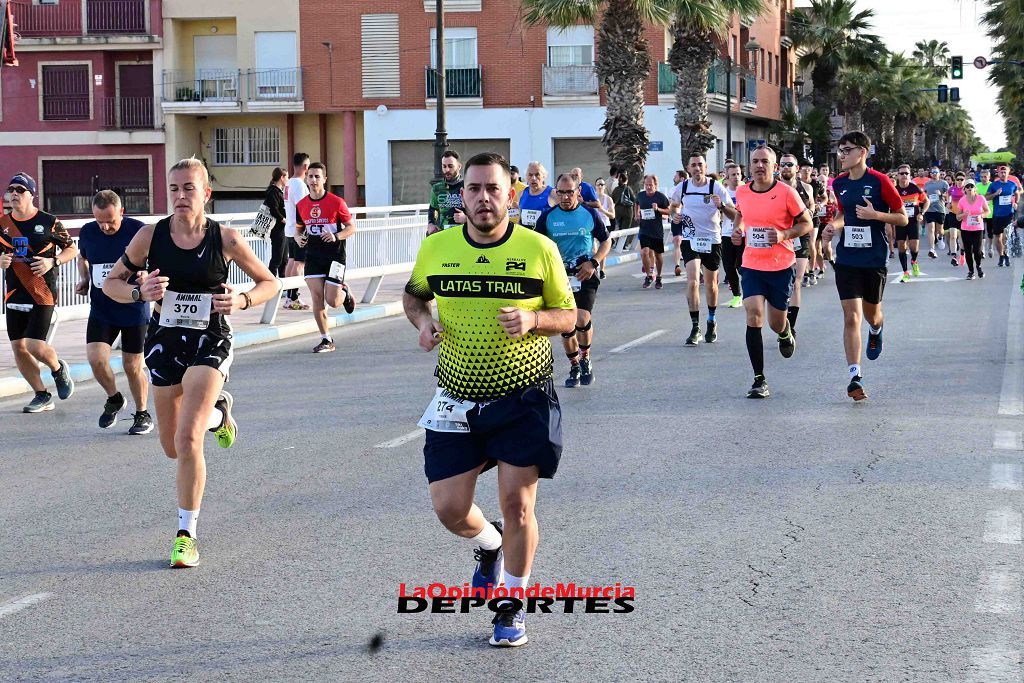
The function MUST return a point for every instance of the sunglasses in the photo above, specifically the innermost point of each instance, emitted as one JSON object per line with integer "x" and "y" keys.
{"x": 565, "y": 193}
{"x": 786, "y": 164}
{"x": 600, "y": 184}
{"x": 17, "y": 189}
{"x": 903, "y": 173}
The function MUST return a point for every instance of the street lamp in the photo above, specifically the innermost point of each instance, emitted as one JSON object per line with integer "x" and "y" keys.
{"x": 441, "y": 134}
{"x": 753, "y": 48}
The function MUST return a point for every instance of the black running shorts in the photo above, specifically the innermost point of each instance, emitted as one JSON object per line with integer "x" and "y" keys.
{"x": 951, "y": 222}
{"x": 523, "y": 429}
{"x": 934, "y": 217}
{"x": 318, "y": 264}
{"x": 587, "y": 296}
{"x": 295, "y": 252}
{"x": 776, "y": 286}
{"x": 33, "y": 324}
{"x": 908, "y": 232}
{"x": 860, "y": 283}
{"x": 170, "y": 351}
{"x": 997, "y": 224}
{"x": 711, "y": 261}
{"x": 655, "y": 244}
{"x": 133, "y": 339}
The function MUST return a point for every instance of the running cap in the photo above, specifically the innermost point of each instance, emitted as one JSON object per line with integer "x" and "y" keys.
{"x": 25, "y": 180}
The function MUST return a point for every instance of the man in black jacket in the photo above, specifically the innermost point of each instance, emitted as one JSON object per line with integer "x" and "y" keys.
{"x": 275, "y": 202}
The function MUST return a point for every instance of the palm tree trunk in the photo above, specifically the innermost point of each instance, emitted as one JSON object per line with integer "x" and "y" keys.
{"x": 825, "y": 84}
{"x": 622, "y": 65}
{"x": 691, "y": 56}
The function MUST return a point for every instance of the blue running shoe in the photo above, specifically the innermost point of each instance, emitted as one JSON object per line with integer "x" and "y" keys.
{"x": 488, "y": 565}
{"x": 874, "y": 345}
{"x": 509, "y": 629}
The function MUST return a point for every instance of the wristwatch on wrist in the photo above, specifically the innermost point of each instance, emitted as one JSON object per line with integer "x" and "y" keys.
{"x": 137, "y": 294}
{"x": 594, "y": 263}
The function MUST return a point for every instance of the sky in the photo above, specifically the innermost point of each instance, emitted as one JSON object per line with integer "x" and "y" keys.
{"x": 901, "y": 23}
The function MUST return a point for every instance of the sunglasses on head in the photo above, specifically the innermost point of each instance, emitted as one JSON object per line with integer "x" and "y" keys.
{"x": 17, "y": 189}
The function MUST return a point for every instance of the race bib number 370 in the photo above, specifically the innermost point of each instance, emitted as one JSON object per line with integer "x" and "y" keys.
{"x": 186, "y": 310}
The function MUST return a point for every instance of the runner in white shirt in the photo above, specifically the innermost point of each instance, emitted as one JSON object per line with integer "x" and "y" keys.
{"x": 703, "y": 201}
{"x": 294, "y": 191}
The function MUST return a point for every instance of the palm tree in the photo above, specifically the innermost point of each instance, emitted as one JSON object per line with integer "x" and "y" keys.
{"x": 832, "y": 34}
{"x": 697, "y": 26}
{"x": 796, "y": 130}
{"x": 1005, "y": 22}
{"x": 934, "y": 55}
{"x": 622, "y": 65}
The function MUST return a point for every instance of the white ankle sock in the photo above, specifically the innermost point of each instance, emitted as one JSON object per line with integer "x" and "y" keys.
{"x": 514, "y": 581}
{"x": 214, "y": 421}
{"x": 187, "y": 520}
{"x": 854, "y": 370}
{"x": 488, "y": 539}
{"x": 875, "y": 330}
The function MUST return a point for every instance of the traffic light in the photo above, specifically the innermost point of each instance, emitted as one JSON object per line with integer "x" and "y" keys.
{"x": 956, "y": 71}
{"x": 944, "y": 93}
{"x": 954, "y": 94}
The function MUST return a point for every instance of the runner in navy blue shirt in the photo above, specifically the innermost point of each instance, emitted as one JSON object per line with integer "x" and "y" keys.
{"x": 102, "y": 243}
{"x": 868, "y": 201}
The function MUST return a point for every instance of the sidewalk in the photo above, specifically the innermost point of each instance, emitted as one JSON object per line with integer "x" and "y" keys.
{"x": 70, "y": 341}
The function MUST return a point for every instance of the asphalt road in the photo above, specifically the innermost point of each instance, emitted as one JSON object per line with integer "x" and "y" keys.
{"x": 802, "y": 538}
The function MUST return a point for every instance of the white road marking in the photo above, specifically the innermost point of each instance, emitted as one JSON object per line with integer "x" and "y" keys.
{"x": 1006, "y": 476}
{"x": 1008, "y": 441}
{"x": 999, "y": 593}
{"x": 995, "y": 665}
{"x": 925, "y": 279}
{"x": 637, "y": 342}
{"x": 1011, "y": 398}
{"x": 9, "y": 608}
{"x": 405, "y": 438}
{"x": 1003, "y": 526}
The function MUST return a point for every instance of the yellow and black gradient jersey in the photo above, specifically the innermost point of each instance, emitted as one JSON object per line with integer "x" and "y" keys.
{"x": 477, "y": 360}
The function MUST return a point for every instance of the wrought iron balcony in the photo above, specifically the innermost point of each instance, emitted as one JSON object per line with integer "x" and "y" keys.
{"x": 127, "y": 113}
{"x": 65, "y": 19}
{"x": 461, "y": 82}
{"x": 274, "y": 85}
{"x": 201, "y": 85}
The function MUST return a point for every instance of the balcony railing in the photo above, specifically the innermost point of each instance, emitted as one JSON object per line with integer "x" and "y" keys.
{"x": 748, "y": 89}
{"x": 115, "y": 17}
{"x": 786, "y": 99}
{"x": 37, "y": 21}
{"x": 464, "y": 82}
{"x": 274, "y": 85}
{"x": 64, "y": 19}
{"x": 570, "y": 80}
{"x": 666, "y": 79}
{"x": 202, "y": 85}
{"x": 127, "y": 113}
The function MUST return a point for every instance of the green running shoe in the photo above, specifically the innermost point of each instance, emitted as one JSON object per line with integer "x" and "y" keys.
{"x": 905, "y": 278}
{"x": 228, "y": 430}
{"x": 735, "y": 302}
{"x": 185, "y": 552}
{"x": 915, "y": 269}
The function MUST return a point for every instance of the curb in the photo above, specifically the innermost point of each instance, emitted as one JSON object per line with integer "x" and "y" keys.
{"x": 80, "y": 372}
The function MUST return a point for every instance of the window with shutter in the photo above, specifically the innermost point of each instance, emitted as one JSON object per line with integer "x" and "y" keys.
{"x": 65, "y": 92}
{"x": 380, "y": 56}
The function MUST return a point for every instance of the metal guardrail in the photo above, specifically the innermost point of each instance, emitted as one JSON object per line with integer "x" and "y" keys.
{"x": 272, "y": 85}
{"x": 458, "y": 82}
{"x": 201, "y": 85}
{"x": 386, "y": 242}
{"x": 127, "y": 113}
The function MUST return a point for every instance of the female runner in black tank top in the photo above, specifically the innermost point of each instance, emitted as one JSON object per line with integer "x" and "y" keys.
{"x": 182, "y": 263}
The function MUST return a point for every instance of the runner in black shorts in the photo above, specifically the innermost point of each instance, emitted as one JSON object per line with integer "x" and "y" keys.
{"x": 573, "y": 228}
{"x": 651, "y": 208}
{"x": 33, "y": 245}
{"x": 788, "y": 168}
{"x": 102, "y": 242}
{"x": 869, "y": 203}
{"x": 188, "y": 345}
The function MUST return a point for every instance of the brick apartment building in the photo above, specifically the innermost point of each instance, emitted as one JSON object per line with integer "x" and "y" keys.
{"x": 527, "y": 92}
{"x": 79, "y": 112}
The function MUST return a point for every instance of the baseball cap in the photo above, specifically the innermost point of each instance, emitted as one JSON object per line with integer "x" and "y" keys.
{"x": 25, "y": 180}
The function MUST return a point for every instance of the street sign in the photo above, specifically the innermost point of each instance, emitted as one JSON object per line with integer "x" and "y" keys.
{"x": 754, "y": 144}
{"x": 872, "y": 150}
{"x": 837, "y": 132}
{"x": 656, "y": 146}
{"x": 980, "y": 62}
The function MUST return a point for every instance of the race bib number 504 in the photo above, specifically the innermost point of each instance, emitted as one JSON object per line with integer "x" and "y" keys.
{"x": 757, "y": 238}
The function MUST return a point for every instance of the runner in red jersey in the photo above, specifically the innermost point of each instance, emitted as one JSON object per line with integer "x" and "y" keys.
{"x": 323, "y": 223}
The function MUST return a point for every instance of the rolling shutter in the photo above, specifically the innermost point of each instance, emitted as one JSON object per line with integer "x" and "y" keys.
{"x": 381, "y": 77}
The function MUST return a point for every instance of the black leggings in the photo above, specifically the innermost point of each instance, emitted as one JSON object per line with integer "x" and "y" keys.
{"x": 732, "y": 257}
{"x": 972, "y": 247}
{"x": 278, "y": 253}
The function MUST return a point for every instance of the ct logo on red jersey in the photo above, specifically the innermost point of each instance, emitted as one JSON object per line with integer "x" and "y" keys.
{"x": 315, "y": 211}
